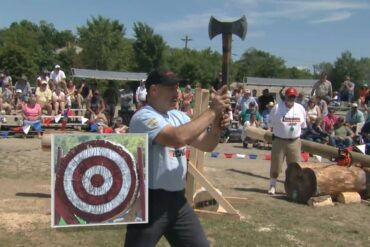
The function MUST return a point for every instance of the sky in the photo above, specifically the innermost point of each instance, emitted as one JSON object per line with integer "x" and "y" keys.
{"x": 303, "y": 33}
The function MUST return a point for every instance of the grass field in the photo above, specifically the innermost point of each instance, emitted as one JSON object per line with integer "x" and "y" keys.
{"x": 269, "y": 220}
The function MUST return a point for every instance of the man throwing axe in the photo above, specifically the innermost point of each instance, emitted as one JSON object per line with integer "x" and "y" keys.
{"x": 169, "y": 131}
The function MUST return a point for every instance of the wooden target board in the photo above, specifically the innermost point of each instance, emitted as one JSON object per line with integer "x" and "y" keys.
{"x": 99, "y": 179}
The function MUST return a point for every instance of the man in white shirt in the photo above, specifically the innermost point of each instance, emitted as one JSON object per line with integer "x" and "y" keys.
{"x": 287, "y": 118}
{"x": 58, "y": 77}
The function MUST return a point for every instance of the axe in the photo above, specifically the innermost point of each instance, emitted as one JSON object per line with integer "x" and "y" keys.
{"x": 238, "y": 28}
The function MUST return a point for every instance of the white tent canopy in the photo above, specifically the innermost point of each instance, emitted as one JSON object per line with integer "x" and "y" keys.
{"x": 108, "y": 75}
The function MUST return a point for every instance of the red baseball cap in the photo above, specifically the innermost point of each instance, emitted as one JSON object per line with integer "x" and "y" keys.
{"x": 291, "y": 92}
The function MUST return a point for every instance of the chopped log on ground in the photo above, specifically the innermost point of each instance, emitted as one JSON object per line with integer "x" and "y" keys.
{"x": 320, "y": 201}
{"x": 306, "y": 181}
{"x": 349, "y": 197}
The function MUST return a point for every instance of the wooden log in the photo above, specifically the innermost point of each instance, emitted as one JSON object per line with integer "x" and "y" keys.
{"x": 349, "y": 197}
{"x": 320, "y": 201}
{"x": 303, "y": 183}
{"x": 325, "y": 151}
{"x": 46, "y": 142}
{"x": 366, "y": 193}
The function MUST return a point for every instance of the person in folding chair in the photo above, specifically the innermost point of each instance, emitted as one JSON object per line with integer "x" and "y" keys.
{"x": 170, "y": 130}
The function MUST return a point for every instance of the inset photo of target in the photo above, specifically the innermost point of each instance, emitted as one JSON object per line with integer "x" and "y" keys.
{"x": 99, "y": 179}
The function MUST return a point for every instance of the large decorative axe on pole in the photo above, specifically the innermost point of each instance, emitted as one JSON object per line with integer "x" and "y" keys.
{"x": 227, "y": 29}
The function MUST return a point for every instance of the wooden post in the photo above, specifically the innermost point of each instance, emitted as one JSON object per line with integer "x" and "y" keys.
{"x": 196, "y": 181}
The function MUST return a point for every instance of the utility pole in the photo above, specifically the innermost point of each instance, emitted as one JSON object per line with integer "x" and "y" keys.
{"x": 186, "y": 40}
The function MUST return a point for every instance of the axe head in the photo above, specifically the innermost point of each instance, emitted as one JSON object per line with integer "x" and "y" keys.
{"x": 239, "y": 27}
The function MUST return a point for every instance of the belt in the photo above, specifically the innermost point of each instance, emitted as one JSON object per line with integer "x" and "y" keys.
{"x": 285, "y": 139}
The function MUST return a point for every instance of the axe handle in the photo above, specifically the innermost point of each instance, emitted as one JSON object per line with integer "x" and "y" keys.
{"x": 226, "y": 56}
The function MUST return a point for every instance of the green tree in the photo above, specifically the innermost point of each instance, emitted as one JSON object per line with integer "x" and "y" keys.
{"x": 260, "y": 63}
{"x": 18, "y": 60}
{"x": 296, "y": 73}
{"x": 322, "y": 67}
{"x": 102, "y": 41}
{"x": 364, "y": 64}
{"x": 345, "y": 65}
{"x": 148, "y": 48}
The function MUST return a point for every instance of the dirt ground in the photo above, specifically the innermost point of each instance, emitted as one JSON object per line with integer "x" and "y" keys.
{"x": 25, "y": 204}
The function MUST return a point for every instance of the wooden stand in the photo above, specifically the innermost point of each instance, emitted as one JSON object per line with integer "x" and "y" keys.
{"x": 201, "y": 194}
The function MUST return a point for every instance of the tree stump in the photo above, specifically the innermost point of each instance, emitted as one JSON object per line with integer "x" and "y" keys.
{"x": 304, "y": 181}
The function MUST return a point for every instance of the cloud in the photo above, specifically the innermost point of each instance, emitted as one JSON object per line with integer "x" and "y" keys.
{"x": 339, "y": 16}
{"x": 267, "y": 11}
{"x": 189, "y": 22}
{"x": 194, "y": 21}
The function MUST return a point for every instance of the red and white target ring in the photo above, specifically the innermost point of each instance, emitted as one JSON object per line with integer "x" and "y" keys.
{"x": 97, "y": 180}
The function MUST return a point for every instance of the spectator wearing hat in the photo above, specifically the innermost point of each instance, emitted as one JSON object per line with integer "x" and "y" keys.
{"x": 44, "y": 97}
{"x": 18, "y": 102}
{"x": 287, "y": 119}
{"x": 354, "y": 117}
{"x": 343, "y": 135}
{"x": 25, "y": 87}
{"x": 58, "y": 78}
{"x": 243, "y": 103}
{"x": 169, "y": 131}
{"x": 329, "y": 121}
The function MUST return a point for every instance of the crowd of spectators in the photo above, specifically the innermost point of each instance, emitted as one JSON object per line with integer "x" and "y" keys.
{"x": 333, "y": 118}
{"x": 54, "y": 96}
